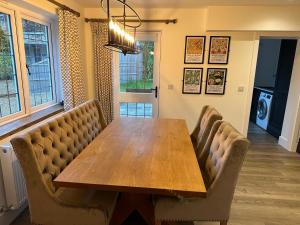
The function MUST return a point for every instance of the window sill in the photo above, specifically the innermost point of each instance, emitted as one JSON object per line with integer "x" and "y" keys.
{"x": 15, "y": 126}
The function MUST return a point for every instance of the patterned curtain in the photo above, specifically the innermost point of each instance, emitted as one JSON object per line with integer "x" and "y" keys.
{"x": 71, "y": 65}
{"x": 103, "y": 69}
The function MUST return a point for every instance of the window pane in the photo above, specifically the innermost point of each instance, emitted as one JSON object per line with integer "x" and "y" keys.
{"x": 38, "y": 62}
{"x": 9, "y": 93}
{"x": 136, "y": 71}
{"x": 134, "y": 109}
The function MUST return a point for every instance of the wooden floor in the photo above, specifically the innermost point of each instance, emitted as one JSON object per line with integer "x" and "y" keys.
{"x": 268, "y": 191}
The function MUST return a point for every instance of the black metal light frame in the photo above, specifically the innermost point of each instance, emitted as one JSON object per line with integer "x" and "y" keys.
{"x": 119, "y": 44}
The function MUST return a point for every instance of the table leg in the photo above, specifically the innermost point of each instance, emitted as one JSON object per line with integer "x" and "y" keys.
{"x": 128, "y": 203}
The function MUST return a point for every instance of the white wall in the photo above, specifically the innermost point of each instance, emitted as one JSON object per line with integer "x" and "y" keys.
{"x": 267, "y": 63}
{"x": 241, "y": 25}
{"x": 254, "y": 18}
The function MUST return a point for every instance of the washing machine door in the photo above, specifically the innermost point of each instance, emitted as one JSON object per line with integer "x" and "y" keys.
{"x": 262, "y": 109}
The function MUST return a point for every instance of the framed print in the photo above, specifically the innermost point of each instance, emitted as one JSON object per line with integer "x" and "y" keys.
{"x": 192, "y": 80}
{"x": 194, "y": 49}
{"x": 219, "y": 50}
{"x": 216, "y": 81}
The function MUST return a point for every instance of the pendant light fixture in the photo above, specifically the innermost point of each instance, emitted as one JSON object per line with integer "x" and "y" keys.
{"x": 119, "y": 37}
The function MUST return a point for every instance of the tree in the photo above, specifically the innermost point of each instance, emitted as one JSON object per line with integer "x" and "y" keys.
{"x": 148, "y": 60}
{"x": 6, "y": 66}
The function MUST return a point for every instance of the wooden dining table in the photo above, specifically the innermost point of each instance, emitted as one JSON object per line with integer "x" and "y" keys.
{"x": 140, "y": 158}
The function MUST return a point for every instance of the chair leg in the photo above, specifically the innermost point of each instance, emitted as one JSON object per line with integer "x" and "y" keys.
{"x": 224, "y": 222}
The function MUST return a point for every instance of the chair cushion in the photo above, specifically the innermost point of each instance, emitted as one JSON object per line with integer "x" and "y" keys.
{"x": 88, "y": 199}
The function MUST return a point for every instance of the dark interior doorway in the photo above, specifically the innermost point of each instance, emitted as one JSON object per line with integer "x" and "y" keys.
{"x": 272, "y": 81}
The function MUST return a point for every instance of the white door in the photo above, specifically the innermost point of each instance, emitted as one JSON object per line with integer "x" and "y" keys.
{"x": 136, "y": 79}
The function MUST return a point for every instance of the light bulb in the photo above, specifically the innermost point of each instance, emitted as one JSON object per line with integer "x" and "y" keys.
{"x": 121, "y": 33}
{"x": 112, "y": 25}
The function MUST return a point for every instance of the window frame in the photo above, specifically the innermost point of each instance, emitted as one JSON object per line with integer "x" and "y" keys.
{"x": 18, "y": 68}
{"x": 17, "y": 14}
{"x": 23, "y": 62}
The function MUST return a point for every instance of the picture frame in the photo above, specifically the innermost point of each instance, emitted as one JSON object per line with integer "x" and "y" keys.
{"x": 192, "y": 80}
{"x": 194, "y": 50}
{"x": 219, "y": 49}
{"x": 216, "y": 81}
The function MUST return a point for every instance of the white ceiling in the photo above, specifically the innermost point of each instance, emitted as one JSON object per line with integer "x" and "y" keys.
{"x": 188, "y": 3}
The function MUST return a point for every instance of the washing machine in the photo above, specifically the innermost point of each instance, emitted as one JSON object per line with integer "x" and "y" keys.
{"x": 263, "y": 110}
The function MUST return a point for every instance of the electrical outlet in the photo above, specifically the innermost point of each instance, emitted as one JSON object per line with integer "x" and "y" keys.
{"x": 241, "y": 89}
{"x": 170, "y": 86}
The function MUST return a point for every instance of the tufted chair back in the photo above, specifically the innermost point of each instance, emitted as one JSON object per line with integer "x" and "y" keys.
{"x": 46, "y": 150}
{"x": 223, "y": 155}
{"x": 209, "y": 115}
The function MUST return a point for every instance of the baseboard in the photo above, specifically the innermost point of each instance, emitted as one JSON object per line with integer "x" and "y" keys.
{"x": 284, "y": 142}
{"x": 8, "y": 217}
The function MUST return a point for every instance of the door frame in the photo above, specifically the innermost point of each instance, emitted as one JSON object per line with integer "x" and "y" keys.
{"x": 296, "y": 133}
{"x": 290, "y": 144}
{"x": 156, "y": 70}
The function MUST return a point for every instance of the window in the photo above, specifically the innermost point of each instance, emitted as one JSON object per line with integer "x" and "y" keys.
{"x": 36, "y": 43}
{"x": 136, "y": 109}
{"x": 9, "y": 91}
{"x": 27, "y": 81}
{"x": 136, "y": 71}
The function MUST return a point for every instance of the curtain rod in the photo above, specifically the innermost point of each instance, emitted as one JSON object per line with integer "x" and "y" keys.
{"x": 174, "y": 21}
{"x": 64, "y": 7}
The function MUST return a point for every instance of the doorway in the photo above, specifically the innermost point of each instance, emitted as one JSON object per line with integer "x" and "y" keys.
{"x": 272, "y": 81}
{"x": 136, "y": 79}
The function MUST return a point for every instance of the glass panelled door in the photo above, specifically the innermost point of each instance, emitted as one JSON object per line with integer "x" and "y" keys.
{"x": 136, "y": 79}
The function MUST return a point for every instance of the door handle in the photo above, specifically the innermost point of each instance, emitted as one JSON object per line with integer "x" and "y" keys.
{"x": 28, "y": 70}
{"x": 138, "y": 90}
{"x": 156, "y": 91}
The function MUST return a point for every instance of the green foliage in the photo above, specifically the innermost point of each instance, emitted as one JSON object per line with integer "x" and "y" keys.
{"x": 6, "y": 62}
{"x": 148, "y": 59}
{"x": 136, "y": 84}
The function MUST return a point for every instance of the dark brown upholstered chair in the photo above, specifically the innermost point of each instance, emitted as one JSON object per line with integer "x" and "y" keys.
{"x": 209, "y": 115}
{"x": 45, "y": 151}
{"x": 220, "y": 163}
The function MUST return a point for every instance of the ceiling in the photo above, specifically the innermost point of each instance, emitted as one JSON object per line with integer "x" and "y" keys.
{"x": 188, "y": 3}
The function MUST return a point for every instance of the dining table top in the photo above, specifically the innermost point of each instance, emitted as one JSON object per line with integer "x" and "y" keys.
{"x": 139, "y": 155}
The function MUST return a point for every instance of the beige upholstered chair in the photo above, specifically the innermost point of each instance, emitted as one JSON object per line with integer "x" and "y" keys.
{"x": 209, "y": 115}
{"x": 45, "y": 151}
{"x": 220, "y": 163}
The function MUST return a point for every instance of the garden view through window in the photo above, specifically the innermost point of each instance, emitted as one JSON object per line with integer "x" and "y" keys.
{"x": 9, "y": 92}
{"x": 136, "y": 71}
{"x": 38, "y": 62}
{"x": 14, "y": 89}
{"x": 136, "y": 76}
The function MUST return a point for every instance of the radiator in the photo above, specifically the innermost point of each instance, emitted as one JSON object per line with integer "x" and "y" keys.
{"x": 14, "y": 183}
